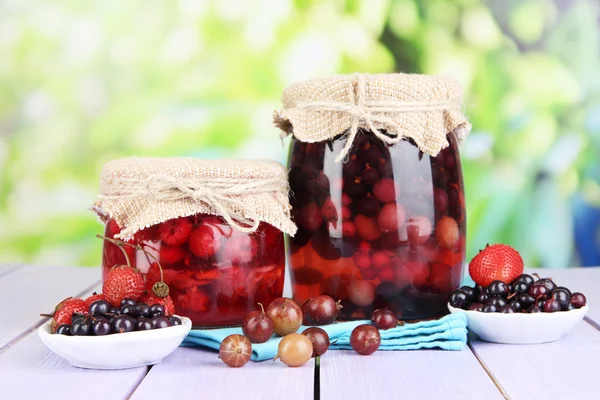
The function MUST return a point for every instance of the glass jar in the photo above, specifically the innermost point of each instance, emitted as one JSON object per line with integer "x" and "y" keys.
{"x": 386, "y": 228}
{"x": 215, "y": 227}
{"x": 216, "y": 275}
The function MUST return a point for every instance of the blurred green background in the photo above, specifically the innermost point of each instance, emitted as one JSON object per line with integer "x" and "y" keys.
{"x": 83, "y": 82}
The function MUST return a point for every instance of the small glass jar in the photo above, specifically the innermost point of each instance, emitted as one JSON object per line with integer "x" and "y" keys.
{"x": 214, "y": 227}
{"x": 215, "y": 274}
{"x": 376, "y": 192}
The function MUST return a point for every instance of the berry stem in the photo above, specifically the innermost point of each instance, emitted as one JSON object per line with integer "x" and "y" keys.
{"x": 121, "y": 243}
{"x": 261, "y": 307}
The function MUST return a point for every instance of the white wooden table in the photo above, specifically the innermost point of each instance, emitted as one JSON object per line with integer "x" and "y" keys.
{"x": 566, "y": 369}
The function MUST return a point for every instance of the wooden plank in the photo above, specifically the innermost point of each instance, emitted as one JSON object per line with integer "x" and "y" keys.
{"x": 28, "y": 370}
{"x": 422, "y": 374}
{"x": 36, "y": 290}
{"x": 191, "y": 373}
{"x": 565, "y": 369}
{"x": 584, "y": 280}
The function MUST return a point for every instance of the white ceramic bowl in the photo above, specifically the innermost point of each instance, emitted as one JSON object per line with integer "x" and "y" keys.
{"x": 117, "y": 351}
{"x": 521, "y": 328}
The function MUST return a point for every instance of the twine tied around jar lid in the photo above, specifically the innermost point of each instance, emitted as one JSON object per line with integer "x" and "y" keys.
{"x": 424, "y": 108}
{"x": 139, "y": 192}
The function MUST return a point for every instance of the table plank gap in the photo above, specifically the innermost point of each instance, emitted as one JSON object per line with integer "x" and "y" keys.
{"x": 137, "y": 383}
{"x": 198, "y": 373}
{"x": 593, "y": 323}
{"x": 7, "y": 269}
{"x": 517, "y": 367}
{"x": 317, "y": 379}
{"x": 86, "y": 292}
{"x": 417, "y": 374}
{"x": 37, "y": 289}
{"x": 490, "y": 374}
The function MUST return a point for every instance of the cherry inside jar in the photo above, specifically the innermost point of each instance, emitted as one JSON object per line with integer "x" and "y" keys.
{"x": 385, "y": 228}
{"x": 216, "y": 274}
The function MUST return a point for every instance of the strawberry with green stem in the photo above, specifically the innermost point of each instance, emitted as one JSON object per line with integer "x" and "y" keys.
{"x": 160, "y": 289}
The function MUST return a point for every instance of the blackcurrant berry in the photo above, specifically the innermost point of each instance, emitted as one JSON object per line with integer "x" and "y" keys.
{"x": 157, "y": 310}
{"x": 538, "y": 290}
{"x": 525, "y": 278}
{"x": 122, "y": 324}
{"x": 175, "y": 321}
{"x": 471, "y": 293}
{"x": 143, "y": 324}
{"x": 160, "y": 321}
{"x": 506, "y": 310}
{"x": 128, "y": 309}
{"x": 64, "y": 329}
{"x": 101, "y": 327}
{"x": 458, "y": 299}
{"x": 562, "y": 296}
{"x": 578, "y": 300}
{"x": 128, "y": 302}
{"x": 526, "y": 300}
{"x": 497, "y": 301}
{"x": 142, "y": 310}
{"x": 99, "y": 307}
{"x": 548, "y": 283}
{"x": 489, "y": 308}
{"x": 81, "y": 328}
{"x": 497, "y": 288}
{"x": 520, "y": 287}
{"x": 552, "y": 305}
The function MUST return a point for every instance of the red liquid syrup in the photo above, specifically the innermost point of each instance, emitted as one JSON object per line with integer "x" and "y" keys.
{"x": 384, "y": 229}
{"x": 216, "y": 275}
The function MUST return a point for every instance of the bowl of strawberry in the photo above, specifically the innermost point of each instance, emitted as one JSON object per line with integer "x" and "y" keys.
{"x": 127, "y": 325}
{"x": 509, "y": 306}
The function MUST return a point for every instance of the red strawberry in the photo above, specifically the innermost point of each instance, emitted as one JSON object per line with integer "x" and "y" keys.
{"x": 94, "y": 297}
{"x": 205, "y": 240}
{"x": 123, "y": 282}
{"x": 64, "y": 311}
{"x": 497, "y": 262}
{"x": 175, "y": 232}
{"x": 171, "y": 255}
{"x": 167, "y": 302}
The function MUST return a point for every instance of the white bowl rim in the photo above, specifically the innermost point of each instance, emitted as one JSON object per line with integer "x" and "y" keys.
{"x": 583, "y": 309}
{"x": 186, "y": 324}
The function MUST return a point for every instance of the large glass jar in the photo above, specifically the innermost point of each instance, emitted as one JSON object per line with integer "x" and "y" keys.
{"x": 384, "y": 228}
{"x": 214, "y": 227}
{"x": 216, "y": 275}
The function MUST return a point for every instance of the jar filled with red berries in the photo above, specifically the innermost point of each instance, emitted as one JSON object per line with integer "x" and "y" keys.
{"x": 212, "y": 230}
{"x": 376, "y": 192}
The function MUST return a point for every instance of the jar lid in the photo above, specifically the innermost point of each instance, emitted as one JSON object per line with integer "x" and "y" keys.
{"x": 140, "y": 192}
{"x": 424, "y": 108}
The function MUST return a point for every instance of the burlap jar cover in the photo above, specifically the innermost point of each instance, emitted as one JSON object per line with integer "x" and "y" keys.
{"x": 140, "y": 192}
{"x": 421, "y": 107}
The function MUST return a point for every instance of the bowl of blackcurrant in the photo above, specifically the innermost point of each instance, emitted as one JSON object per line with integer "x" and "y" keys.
{"x": 528, "y": 310}
{"x": 108, "y": 338}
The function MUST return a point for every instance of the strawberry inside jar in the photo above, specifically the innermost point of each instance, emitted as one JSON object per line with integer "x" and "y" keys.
{"x": 218, "y": 267}
{"x": 376, "y": 192}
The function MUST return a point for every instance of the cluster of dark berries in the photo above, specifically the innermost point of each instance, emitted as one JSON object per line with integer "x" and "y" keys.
{"x": 102, "y": 319}
{"x": 526, "y": 294}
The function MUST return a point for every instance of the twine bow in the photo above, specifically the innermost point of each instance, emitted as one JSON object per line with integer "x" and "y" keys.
{"x": 370, "y": 112}
{"x": 216, "y": 193}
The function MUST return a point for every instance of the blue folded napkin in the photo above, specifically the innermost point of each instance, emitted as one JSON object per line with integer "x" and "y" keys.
{"x": 447, "y": 333}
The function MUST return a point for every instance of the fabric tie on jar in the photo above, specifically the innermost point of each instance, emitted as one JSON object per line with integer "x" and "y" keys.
{"x": 405, "y": 105}
{"x": 141, "y": 192}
